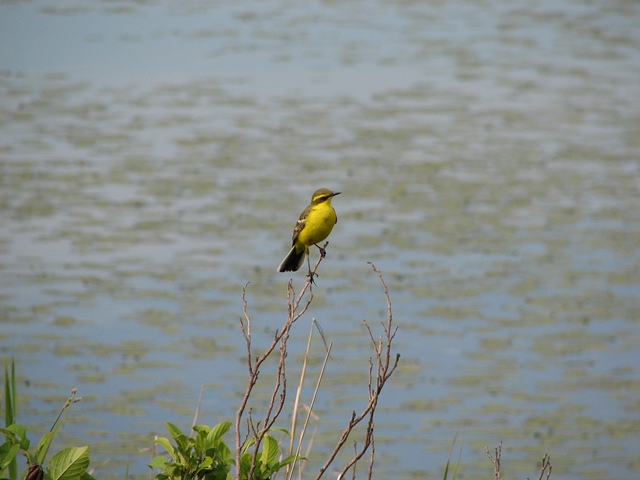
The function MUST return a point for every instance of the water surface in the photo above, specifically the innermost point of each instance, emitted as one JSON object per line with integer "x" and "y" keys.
{"x": 154, "y": 158}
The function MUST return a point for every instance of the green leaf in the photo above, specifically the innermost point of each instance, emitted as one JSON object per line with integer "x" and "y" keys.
{"x": 225, "y": 453}
{"x": 159, "y": 462}
{"x": 201, "y": 428}
{"x": 247, "y": 445}
{"x": 269, "y": 449}
{"x": 14, "y": 390}
{"x": 245, "y": 465}
{"x": 11, "y": 435}
{"x": 218, "y": 431}
{"x": 69, "y": 464}
{"x": 199, "y": 446}
{"x": 167, "y": 446}
{"x": 174, "y": 431}
{"x": 20, "y": 434}
{"x": 182, "y": 443}
{"x": 8, "y": 452}
{"x": 18, "y": 429}
{"x": 9, "y": 398}
{"x": 10, "y": 408}
{"x": 280, "y": 429}
{"x": 43, "y": 446}
{"x": 287, "y": 461}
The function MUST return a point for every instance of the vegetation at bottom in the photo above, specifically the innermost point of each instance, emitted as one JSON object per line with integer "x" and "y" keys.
{"x": 69, "y": 463}
{"x": 253, "y": 453}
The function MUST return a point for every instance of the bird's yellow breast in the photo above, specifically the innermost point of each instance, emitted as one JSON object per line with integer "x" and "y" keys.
{"x": 318, "y": 224}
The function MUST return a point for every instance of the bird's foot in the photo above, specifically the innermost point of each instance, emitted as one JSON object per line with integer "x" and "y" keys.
{"x": 323, "y": 252}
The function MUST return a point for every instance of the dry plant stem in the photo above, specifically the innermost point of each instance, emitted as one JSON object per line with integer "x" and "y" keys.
{"x": 296, "y": 403}
{"x": 195, "y": 416}
{"x": 385, "y": 366}
{"x": 373, "y": 450}
{"x": 296, "y": 308}
{"x": 545, "y": 468}
{"x": 495, "y": 460}
{"x": 72, "y": 399}
{"x": 307, "y": 452}
{"x": 355, "y": 452}
{"x": 310, "y": 410}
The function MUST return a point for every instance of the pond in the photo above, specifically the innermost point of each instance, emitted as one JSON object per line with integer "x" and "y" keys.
{"x": 154, "y": 157}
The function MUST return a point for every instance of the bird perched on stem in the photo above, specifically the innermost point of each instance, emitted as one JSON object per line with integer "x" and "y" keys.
{"x": 313, "y": 226}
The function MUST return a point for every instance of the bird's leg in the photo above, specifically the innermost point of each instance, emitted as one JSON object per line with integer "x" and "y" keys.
{"x": 311, "y": 274}
{"x": 323, "y": 252}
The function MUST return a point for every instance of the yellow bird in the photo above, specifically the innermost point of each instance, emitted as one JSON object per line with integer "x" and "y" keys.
{"x": 314, "y": 225}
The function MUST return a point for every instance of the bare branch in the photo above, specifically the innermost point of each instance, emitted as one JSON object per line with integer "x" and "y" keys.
{"x": 296, "y": 402}
{"x": 545, "y": 468}
{"x": 371, "y": 459}
{"x": 495, "y": 459}
{"x": 296, "y": 308}
{"x": 310, "y": 409}
{"x": 195, "y": 417}
{"x": 384, "y": 364}
{"x": 385, "y": 369}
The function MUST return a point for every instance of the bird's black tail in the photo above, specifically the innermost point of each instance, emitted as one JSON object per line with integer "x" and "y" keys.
{"x": 293, "y": 261}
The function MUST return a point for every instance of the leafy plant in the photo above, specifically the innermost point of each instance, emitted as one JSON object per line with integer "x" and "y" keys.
{"x": 206, "y": 456}
{"x": 267, "y": 462}
{"x": 68, "y": 464}
{"x": 8, "y": 450}
{"x": 457, "y": 465}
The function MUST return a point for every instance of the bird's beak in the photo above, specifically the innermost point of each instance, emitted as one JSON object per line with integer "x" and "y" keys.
{"x": 335, "y": 193}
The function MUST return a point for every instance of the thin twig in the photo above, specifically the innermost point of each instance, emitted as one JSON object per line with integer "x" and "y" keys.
{"x": 296, "y": 403}
{"x": 297, "y": 306}
{"x": 385, "y": 368}
{"x": 355, "y": 453}
{"x": 313, "y": 401}
{"x": 545, "y": 467}
{"x": 495, "y": 459}
{"x": 195, "y": 417}
{"x": 373, "y": 452}
{"x": 72, "y": 399}
{"x": 307, "y": 452}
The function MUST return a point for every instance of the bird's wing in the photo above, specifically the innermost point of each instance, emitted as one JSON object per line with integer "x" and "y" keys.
{"x": 300, "y": 224}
